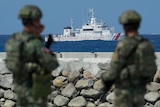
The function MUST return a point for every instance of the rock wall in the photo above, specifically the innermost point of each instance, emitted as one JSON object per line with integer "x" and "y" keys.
{"x": 75, "y": 84}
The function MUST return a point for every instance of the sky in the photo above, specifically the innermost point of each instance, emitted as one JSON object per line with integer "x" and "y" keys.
{"x": 57, "y": 14}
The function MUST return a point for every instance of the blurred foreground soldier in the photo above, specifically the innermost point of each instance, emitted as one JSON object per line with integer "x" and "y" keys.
{"x": 28, "y": 60}
{"x": 132, "y": 66}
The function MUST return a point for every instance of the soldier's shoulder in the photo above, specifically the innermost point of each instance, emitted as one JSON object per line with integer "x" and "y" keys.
{"x": 29, "y": 38}
{"x": 15, "y": 34}
{"x": 35, "y": 42}
{"x": 123, "y": 43}
{"x": 20, "y": 35}
{"x": 146, "y": 44}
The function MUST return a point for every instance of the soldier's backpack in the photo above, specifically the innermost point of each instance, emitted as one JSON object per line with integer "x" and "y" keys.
{"x": 147, "y": 59}
{"x": 14, "y": 52}
{"x": 143, "y": 68}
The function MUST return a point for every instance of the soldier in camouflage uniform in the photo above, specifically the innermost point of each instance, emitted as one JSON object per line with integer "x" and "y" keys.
{"x": 39, "y": 62}
{"x": 125, "y": 70}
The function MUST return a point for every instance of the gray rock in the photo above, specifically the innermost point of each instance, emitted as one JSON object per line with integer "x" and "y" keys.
{"x": 99, "y": 73}
{"x": 73, "y": 75}
{"x": 148, "y": 105}
{"x": 60, "y": 81}
{"x": 1, "y": 104}
{"x": 153, "y": 86}
{"x": 152, "y": 96}
{"x": 110, "y": 98}
{"x": 106, "y": 104}
{"x": 90, "y": 104}
{"x": 61, "y": 66}
{"x": 49, "y": 104}
{"x": 2, "y": 100}
{"x": 55, "y": 73}
{"x": 88, "y": 75}
{"x": 77, "y": 102}
{"x": 84, "y": 83}
{"x": 60, "y": 100}
{"x": 92, "y": 67}
{"x": 66, "y": 73}
{"x": 9, "y": 95}
{"x": 9, "y": 103}
{"x": 68, "y": 90}
{"x": 6, "y": 81}
{"x": 64, "y": 66}
{"x": 157, "y": 104}
{"x": 74, "y": 66}
{"x": 53, "y": 95}
{"x": 53, "y": 88}
{"x": 98, "y": 85}
{"x": 90, "y": 93}
{"x": 103, "y": 66}
{"x": 1, "y": 93}
{"x": 157, "y": 76}
{"x": 3, "y": 69}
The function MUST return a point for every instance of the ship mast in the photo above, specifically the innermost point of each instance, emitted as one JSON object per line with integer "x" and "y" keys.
{"x": 93, "y": 19}
{"x": 71, "y": 25}
{"x": 92, "y": 12}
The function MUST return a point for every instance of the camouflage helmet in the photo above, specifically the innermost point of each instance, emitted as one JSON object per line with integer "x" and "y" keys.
{"x": 130, "y": 16}
{"x": 30, "y": 12}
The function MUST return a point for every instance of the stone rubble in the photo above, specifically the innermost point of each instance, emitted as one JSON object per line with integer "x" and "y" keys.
{"x": 75, "y": 84}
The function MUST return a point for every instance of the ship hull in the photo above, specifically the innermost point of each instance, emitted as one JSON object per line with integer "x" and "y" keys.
{"x": 114, "y": 37}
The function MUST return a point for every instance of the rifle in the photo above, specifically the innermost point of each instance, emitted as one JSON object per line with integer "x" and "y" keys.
{"x": 105, "y": 90}
{"x": 49, "y": 41}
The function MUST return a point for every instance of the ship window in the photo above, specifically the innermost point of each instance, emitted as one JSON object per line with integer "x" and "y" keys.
{"x": 87, "y": 29}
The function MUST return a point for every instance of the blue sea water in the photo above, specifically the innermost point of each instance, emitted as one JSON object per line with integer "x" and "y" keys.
{"x": 87, "y": 46}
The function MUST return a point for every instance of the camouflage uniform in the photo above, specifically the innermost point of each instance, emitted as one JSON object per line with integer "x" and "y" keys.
{"x": 124, "y": 72}
{"x": 34, "y": 53}
{"x": 38, "y": 60}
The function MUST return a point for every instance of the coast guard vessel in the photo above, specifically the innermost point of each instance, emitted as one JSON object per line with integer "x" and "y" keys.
{"x": 89, "y": 31}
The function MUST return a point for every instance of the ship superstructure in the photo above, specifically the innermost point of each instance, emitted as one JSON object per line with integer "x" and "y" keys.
{"x": 89, "y": 31}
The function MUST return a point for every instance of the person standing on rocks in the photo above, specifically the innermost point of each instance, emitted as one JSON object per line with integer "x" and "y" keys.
{"x": 29, "y": 61}
{"x": 133, "y": 64}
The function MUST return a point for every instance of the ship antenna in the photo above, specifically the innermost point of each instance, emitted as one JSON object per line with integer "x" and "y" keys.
{"x": 93, "y": 19}
{"x": 71, "y": 24}
{"x": 92, "y": 12}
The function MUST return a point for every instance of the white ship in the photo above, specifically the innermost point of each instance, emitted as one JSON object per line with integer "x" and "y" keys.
{"x": 89, "y": 31}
